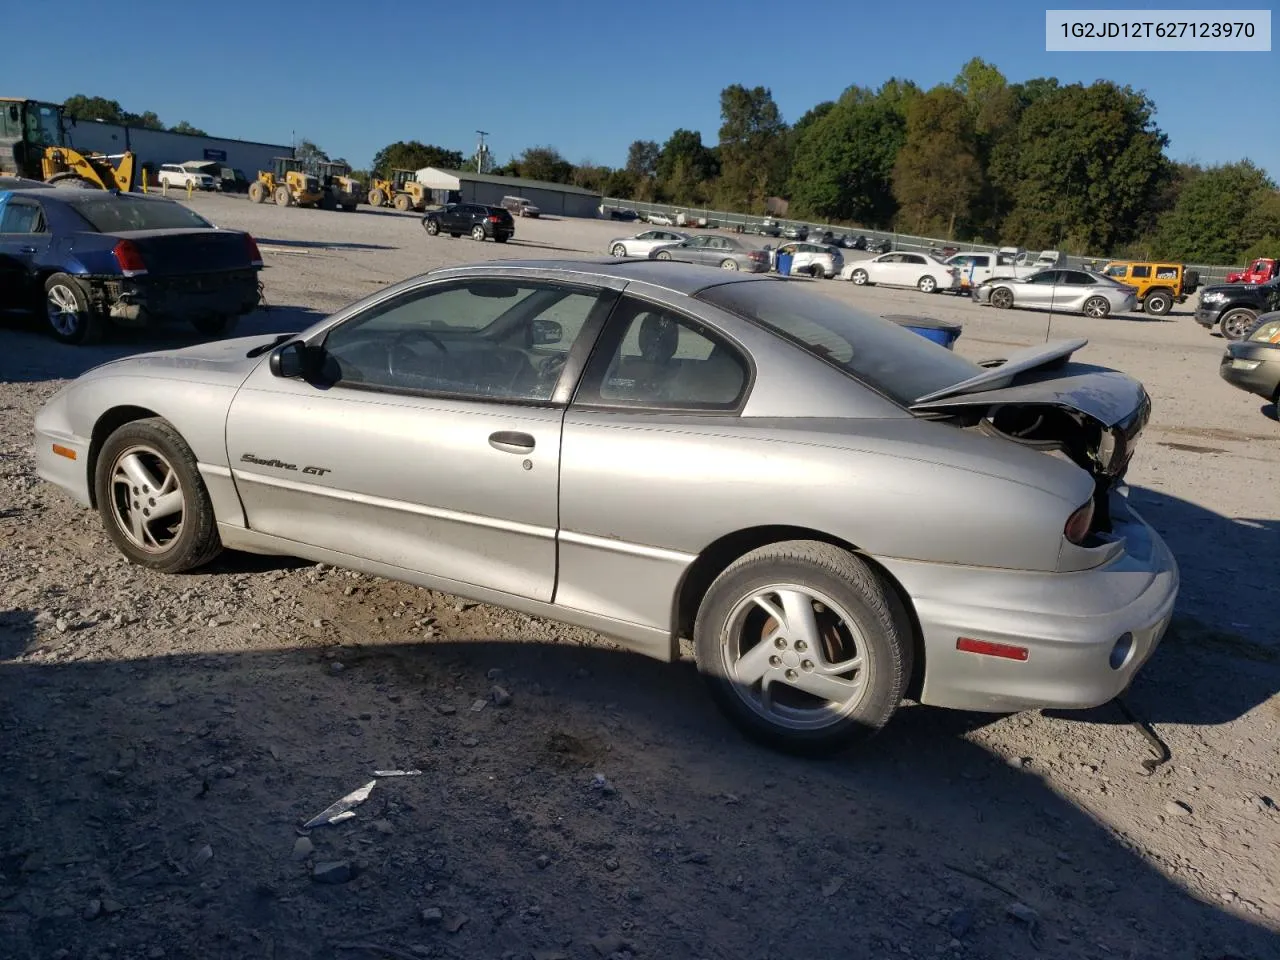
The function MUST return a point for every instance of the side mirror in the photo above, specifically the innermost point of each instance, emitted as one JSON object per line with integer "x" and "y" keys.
{"x": 546, "y": 332}
{"x": 295, "y": 360}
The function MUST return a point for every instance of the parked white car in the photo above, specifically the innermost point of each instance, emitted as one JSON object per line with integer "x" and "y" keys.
{"x": 661, "y": 219}
{"x": 642, "y": 243}
{"x": 176, "y": 175}
{"x": 927, "y": 274}
{"x": 810, "y": 259}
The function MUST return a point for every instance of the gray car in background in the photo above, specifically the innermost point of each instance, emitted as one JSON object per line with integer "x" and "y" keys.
{"x": 1073, "y": 291}
{"x": 713, "y": 250}
{"x": 837, "y": 511}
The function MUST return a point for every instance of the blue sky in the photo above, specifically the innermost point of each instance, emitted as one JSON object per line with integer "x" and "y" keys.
{"x": 587, "y": 78}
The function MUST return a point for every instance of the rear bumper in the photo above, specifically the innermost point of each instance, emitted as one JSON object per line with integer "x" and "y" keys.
{"x": 1070, "y": 624}
{"x": 149, "y": 300}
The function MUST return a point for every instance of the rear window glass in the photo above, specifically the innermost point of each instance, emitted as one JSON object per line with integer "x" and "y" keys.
{"x": 108, "y": 214}
{"x": 897, "y": 362}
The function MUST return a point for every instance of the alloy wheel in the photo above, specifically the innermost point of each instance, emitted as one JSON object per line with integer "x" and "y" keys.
{"x": 147, "y": 502}
{"x": 63, "y": 310}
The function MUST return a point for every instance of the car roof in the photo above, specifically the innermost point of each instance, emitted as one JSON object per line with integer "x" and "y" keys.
{"x": 682, "y": 278}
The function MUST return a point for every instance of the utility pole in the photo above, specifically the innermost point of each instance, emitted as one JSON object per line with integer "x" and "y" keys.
{"x": 480, "y": 151}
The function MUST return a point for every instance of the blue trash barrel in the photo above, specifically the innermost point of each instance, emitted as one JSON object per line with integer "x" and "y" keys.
{"x": 784, "y": 263}
{"x": 939, "y": 331}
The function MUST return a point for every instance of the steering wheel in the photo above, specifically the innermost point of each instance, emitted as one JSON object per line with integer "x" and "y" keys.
{"x": 397, "y": 347}
{"x": 550, "y": 366}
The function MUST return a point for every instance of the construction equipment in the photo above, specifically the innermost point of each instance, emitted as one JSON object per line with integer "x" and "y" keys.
{"x": 341, "y": 190}
{"x": 402, "y": 191}
{"x": 34, "y": 143}
{"x": 288, "y": 183}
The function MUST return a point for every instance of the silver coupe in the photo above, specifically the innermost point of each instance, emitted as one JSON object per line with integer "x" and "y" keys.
{"x": 1073, "y": 291}
{"x": 839, "y": 513}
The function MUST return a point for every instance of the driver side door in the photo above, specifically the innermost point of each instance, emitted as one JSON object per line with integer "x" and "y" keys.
{"x": 429, "y": 437}
{"x": 693, "y": 250}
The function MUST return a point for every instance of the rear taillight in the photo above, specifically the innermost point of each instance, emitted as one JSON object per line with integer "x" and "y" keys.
{"x": 255, "y": 255}
{"x": 495, "y": 220}
{"x": 129, "y": 257}
{"x": 1078, "y": 524}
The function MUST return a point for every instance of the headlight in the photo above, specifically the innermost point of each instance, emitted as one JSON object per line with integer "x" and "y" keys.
{"x": 1212, "y": 297}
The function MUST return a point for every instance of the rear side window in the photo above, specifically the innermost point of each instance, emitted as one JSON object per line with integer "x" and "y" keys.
{"x": 1166, "y": 273}
{"x": 1140, "y": 272}
{"x": 108, "y": 214}
{"x": 21, "y": 217}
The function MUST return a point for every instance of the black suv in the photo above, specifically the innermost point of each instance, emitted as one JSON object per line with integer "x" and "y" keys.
{"x": 1234, "y": 307}
{"x": 476, "y": 219}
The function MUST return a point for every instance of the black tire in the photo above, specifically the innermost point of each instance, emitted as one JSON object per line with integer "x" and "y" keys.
{"x": 817, "y": 272}
{"x": 74, "y": 181}
{"x": 1158, "y": 302}
{"x": 1236, "y": 324}
{"x": 431, "y": 225}
{"x": 1097, "y": 307}
{"x": 195, "y": 541}
{"x": 402, "y": 203}
{"x": 860, "y": 278}
{"x": 477, "y": 233}
{"x": 257, "y": 192}
{"x": 927, "y": 284}
{"x": 618, "y": 251}
{"x": 816, "y": 568}
{"x": 282, "y": 196}
{"x": 69, "y": 313}
{"x": 662, "y": 255}
{"x": 376, "y": 197}
{"x": 1001, "y": 298}
{"x": 350, "y": 207}
{"x": 328, "y": 201}
{"x": 216, "y": 326}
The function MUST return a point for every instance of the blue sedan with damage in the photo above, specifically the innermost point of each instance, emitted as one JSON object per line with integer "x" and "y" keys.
{"x": 92, "y": 258}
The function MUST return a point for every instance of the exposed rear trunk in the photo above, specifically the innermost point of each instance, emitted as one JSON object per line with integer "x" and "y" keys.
{"x": 187, "y": 252}
{"x": 1091, "y": 415}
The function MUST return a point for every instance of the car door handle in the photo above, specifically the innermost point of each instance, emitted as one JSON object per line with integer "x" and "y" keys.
{"x": 511, "y": 441}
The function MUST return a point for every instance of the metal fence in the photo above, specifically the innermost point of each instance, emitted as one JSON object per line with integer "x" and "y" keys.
{"x": 726, "y": 220}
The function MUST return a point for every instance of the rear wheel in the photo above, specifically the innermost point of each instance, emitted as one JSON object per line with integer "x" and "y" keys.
{"x": 1097, "y": 307}
{"x": 728, "y": 263}
{"x": 257, "y": 192}
{"x": 859, "y": 278}
{"x": 927, "y": 284}
{"x": 152, "y": 499}
{"x": 73, "y": 180}
{"x": 1002, "y": 298}
{"x": 477, "y": 233}
{"x": 402, "y": 202}
{"x": 376, "y": 197}
{"x": 1158, "y": 302}
{"x": 817, "y": 272}
{"x": 71, "y": 317}
{"x": 663, "y": 255}
{"x": 1236, "y": 324}
{"x": 431, "y": 226}
{"x": 803, "y": 646}
{"x": 283, "y": 197}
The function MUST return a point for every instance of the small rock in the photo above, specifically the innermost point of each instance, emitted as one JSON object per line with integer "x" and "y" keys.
{"x": 432, "y": 915}
{"x": 110, "y": 906}
{"x": 1108, "y": 886}
{"x": 478, "y": 705}
{"x": 155, "y": 953}
{"x": 303, "y": 848}
{"x": 1177, "y": 808}
{"x": 332, "y": 871}
{"x": 543, "y": 861}
{"x": 832, "y": 886}
{"x": 317, "y": 623}
{"x": 384, "y": 827}
{"x": 1020, "y": 911}
{"x": 456, "y": 923}
{"x": 61, "y": 625}
{"x": 92, "y": 909}
{"x": 611, "y": 864}
{"x": 960, "y": 923}
{"x": 550, "y": 955}
{"x": 337, "y": 666}
{"x": 202, "y": 856}
{"x": 470, "y": 741}
{"x": 501, "y": 697}
{"x": 446, "y": 709}
{"x": 609, "y": 944}
{"x": 494, "y": 673}
{"x": 697, "y": 857}
{"x": 600, "y": 782}
{"x": 1063, "y": 856}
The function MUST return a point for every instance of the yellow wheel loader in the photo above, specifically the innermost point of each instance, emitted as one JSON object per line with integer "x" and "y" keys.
{"x": 402, "y": 191}
{"x": 34, "y": 144}
{"x": 341, "y": 190}
{"x": 288, "y": 183}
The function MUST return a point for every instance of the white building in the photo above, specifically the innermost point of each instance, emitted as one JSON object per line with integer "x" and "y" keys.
{"x": 155, "y": 147}
{"x": 556, "y": 199}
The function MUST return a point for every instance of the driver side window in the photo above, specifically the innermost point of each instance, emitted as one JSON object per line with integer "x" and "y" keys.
{"x": 484, "y": 339}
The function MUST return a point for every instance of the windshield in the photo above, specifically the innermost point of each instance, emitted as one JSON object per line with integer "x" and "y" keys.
{"x": 897, "y": 362}
{"x": 109, "y": 214}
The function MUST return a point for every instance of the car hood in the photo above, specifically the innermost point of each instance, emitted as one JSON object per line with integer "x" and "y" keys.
{"x": 219, "y": 362}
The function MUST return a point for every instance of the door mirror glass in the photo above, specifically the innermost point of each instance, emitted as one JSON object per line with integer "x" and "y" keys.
{"x": 295, "y": 360}
{"x": 546, "y": 332}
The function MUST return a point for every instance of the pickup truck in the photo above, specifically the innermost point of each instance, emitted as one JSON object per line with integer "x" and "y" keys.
{"x": 1260, "y": 271}
{"x": 1235, "y": 307}
{"x": 976, "y": 267}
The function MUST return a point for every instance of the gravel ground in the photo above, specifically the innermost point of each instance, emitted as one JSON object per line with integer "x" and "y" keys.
{"x": 162, "y": 739}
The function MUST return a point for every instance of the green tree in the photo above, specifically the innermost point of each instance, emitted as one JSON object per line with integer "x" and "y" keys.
{"x": 183, "y": 127}
{"x": 843, "y": 165}
{"x": 685, "y": 166}
{"x": 1225, "y": 214}
{"x": 753, "y": 147}
{"x": 589, "y": 175}
{"x": 621, "y": 184}
{"x": 936, "y": 174}
{"x": 544, "y": 163}
{"x": 414, "y": 155}
{"x": 1089, "y": 162}
{"x": 81, "y": 107}
{"x": 642, "y": 158}
{"x": 307, "y": 150}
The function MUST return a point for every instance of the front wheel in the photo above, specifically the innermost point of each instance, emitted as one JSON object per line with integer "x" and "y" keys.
{"x": 1158, "y": 303}
{"x": 1002, "y": 298}
{"x": 927, "y": 284}
{"x": 804, "y": 647}
{"x": 1236, "y": 324}
{"x": 376, "y": 197}
{"x": 859, "y": 278}
{"x": 431, "y": 226}
{"x": 619, "y": 250}
{"x": 402, "y": 203}
{"x": 1097, "y": 307}
{"x": 257, "y": 192}
{"x": 283, "y": 197}
{"x": 152, "y": 499}
{"x": 71, "y": 317}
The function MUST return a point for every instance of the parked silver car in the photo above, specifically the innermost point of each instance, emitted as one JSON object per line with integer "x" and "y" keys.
{"x": 1076, "y": 291}
{"x": 838, "y": 511}
{"x": 727, "y": 253}
{"x": 643, "y": 243}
